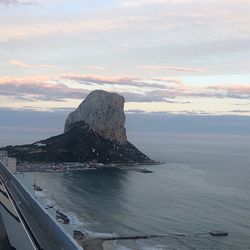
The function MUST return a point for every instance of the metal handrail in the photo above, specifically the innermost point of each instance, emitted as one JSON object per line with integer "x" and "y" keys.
{"x": 40, "y": 225}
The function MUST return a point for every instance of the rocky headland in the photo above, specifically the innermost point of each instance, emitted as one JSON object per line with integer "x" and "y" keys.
{"x": 94, "y": 132}
{"x": 103, "y": 113}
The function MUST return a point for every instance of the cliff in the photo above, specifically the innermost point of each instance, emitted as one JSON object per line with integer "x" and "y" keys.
{"x": 103, "y": 113}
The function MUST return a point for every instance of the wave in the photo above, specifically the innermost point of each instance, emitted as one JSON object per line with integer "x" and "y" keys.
{"x": 93, "y": 234}
{"x": 75, "y": 222}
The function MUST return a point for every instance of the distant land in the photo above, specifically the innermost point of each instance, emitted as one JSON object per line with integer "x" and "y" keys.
{"x": 94, "y": 132}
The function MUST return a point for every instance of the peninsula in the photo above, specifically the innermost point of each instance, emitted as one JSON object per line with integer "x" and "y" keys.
{"x": 94, "y": 132}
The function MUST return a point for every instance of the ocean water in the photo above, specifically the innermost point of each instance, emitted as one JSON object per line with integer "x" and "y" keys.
{"x": 203, "y": 185}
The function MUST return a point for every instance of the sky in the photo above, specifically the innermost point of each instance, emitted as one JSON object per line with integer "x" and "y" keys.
{"x": 175, "y": 56}
{"x": 182, "y": 65}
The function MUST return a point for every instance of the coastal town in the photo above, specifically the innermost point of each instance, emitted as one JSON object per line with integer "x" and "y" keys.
{"x": 57, "y": 167}
{"x": 12, "y": 164}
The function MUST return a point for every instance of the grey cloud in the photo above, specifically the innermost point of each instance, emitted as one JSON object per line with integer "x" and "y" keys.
{"x": 150, "y": 96}
{"x": 235, "y": 91}
{"x": 243, "y": 104}
{"x": 164, "y": 113}
{"x": 147, "y": 97}
{"x": 135, "y": 111}
{"x": 30, "y": 90}
{"x": 126, "y": 81}
{"x": 240, "y": 111}
{"x": 238, "y": 91}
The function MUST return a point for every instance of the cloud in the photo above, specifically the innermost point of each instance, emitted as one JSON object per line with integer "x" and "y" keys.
{"x": 172, "y": 83}
{"x": 135, "y": 111}
{"x": 35, "y": 90}
{"x": 112, "y": 80}
{"x": 58, "y": 88}
{"x": 9, "y": 2}
{"x": 168, "y": 113}
{"x": 150, "y": 96}
{"x": 141, "y": 97}
{"x": 238, "y": 91}
{"x": 240, "y": 111}
{"x": 45, "y": 89}
{"x": 31, "y": 66}
{"x": 56, "y": 28}
{"x": 243, "y": 104}
{"x": 95, "y": 67}
{"x": 172, "y": 68}
{"x": 134, "y": 89}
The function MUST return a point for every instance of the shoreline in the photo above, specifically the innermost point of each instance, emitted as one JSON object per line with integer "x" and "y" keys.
{"x": 105, "y": 242}
{"x": 87, "y": 242}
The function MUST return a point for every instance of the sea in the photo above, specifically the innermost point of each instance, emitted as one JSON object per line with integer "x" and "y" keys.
{"x": 202, "y": 185}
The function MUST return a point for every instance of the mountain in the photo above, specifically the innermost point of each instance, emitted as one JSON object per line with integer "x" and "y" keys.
{"x": 93, "y": 132}
{"x": 103, "y": 112}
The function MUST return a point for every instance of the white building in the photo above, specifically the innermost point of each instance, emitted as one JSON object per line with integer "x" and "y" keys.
{"x": 39, "y": 144}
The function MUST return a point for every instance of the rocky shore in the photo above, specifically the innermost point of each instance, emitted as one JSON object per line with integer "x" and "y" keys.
{"x": 62, "y": 218}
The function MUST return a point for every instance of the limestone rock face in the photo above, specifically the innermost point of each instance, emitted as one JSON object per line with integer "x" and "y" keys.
{"x": 103, "y": 113}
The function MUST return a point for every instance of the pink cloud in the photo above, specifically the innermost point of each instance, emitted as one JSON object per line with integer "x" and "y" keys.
{"x": 112, "y": 80}
{"x": 174, "y": 83}
{"x": 232, "y": 88}
{"x": 172, "y": 68}
{"x": 38, "y": 89}
{"x": 31, "y": 66}
{"x": 55, "y": 88}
